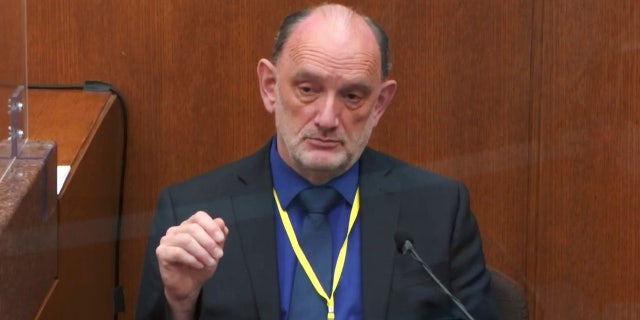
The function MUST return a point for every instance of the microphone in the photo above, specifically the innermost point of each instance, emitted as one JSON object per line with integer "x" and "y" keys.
{"x": 404, "y": 245}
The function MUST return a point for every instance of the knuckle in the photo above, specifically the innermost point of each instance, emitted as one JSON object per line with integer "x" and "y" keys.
{"x": 172, "y": 230}
{"x": 190, "y": 228}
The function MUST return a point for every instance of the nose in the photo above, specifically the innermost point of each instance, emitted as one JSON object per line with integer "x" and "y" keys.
{"x": 327, "y": 116}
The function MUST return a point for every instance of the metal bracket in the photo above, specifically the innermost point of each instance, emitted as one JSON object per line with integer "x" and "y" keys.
{"x": 17, "y": 122}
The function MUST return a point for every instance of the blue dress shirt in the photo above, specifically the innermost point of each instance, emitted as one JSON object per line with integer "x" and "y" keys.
{"x": 348, "y": 295}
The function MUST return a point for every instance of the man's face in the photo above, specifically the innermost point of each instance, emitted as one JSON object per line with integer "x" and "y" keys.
{"x": 328, "y": 97}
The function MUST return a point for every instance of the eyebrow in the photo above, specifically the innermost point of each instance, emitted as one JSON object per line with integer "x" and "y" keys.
{"x": 360, "y": 87}
{"x": 356, "y": 85}
{"x": 304, "y": 74}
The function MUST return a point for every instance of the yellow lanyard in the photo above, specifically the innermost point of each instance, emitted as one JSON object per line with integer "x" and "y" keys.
{"x": 302, "y": 259}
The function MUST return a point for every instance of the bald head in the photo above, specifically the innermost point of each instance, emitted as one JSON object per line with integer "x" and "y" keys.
{"x": 326, "y": 85}
{"x": 336, "y": 20}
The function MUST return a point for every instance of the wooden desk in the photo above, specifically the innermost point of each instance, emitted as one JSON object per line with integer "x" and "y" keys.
{"x": 28, "y": 229}
{"x": 89, "y": 131}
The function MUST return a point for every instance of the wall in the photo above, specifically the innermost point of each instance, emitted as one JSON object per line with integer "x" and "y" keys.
{"x": 532, "y": 103}
{"x": 13, "y": 71}
{"x": 583, "y": 215}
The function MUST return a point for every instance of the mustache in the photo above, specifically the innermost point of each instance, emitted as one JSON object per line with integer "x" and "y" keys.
{"x": 319, "y": 135}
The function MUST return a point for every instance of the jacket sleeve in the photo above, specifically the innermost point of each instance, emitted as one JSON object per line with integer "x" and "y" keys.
{"x": 470, "y": 279}
{"x": 151, "y": 300}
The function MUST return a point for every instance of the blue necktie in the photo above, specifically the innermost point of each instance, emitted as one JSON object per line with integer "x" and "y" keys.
{"x": 316, "y": 243}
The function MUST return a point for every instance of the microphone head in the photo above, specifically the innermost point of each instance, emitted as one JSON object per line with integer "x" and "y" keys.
{"x": 401, "y": 237}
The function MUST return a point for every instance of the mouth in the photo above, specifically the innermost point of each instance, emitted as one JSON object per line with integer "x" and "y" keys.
{"x": 323, "y": 143}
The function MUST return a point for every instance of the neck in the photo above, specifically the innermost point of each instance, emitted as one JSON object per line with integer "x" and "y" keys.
{"x": 317, "y": 178}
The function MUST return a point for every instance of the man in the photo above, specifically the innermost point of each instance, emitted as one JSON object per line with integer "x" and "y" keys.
{"x": 234, "y": 243}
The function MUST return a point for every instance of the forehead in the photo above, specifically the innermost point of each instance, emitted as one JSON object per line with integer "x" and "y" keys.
{"x": 340, "y": 46}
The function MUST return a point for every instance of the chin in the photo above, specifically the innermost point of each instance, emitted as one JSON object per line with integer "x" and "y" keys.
{"x": 326, "y": 164}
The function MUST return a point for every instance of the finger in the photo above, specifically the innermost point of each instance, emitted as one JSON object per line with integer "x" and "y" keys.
{"x": 216, "y": 228}
{"x": 187, "y": 242}
{"x": 204, "y": 239}
{"x": 200, "y": 217}
{"x": 176, "y": 255}
{"x": 221, "y": 228}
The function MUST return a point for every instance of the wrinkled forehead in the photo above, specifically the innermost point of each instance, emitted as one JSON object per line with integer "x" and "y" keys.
{"x": 342, "y": 43}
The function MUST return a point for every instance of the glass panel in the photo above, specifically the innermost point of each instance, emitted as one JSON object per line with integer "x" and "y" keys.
{"x": 13, "y": 78}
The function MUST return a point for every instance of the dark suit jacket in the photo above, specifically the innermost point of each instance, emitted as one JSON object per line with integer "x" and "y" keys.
{"x": 394, "y": 196}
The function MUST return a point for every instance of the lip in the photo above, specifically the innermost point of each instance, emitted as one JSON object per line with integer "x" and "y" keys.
{"x": 323, "y": 143}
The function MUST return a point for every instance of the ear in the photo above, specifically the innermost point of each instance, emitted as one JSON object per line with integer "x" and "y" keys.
{"x": 267, "y": 81}
{"x": 387, "y": 91}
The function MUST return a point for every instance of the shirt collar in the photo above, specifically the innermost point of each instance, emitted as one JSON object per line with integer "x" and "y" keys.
{"x": 288, "y": 182}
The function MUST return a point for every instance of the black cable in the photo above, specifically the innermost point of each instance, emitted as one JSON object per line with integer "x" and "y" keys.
{"x": 100, "y": 86}
{"x": 56, "y": 86}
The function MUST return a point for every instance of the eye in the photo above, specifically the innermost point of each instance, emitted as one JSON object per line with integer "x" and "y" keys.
{"x": 353, "y": 98}
{"x": 305, "y": 89}
{"x": 354, "y": 95}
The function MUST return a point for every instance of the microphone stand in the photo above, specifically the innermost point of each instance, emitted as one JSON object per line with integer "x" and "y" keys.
{"x": 408, "y": 247}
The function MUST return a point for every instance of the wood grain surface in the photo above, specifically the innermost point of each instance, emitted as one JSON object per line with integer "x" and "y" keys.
{"x": 531, "y": 103}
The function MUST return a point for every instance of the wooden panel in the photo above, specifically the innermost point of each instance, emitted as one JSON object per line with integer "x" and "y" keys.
{"x": 89, "y": 130}
{"x": 587, "y": 232}
{"x": 187, "y": 72}
{"x": 462, "y": 108}
{"x": 12, "y": 43}
{"x": 5, "y": 153}
{"x": 13, "y": 71}
{"x": 68, "y": 116}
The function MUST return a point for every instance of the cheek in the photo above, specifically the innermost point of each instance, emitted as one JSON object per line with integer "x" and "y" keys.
{"x": 355, "y": 121}
{"x": 294, "y": 116}
{"x": 289, "y": 102}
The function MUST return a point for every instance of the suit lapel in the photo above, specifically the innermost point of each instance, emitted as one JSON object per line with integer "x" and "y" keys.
{"x": 378, "y": 222}
{"x": 257, "y": 235}
{"x": 253, "y": 209}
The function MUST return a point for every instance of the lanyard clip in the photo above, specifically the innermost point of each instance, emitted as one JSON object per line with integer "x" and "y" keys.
{"x": 330, "y": 314}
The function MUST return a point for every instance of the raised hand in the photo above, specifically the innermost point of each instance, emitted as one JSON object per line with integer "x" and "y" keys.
{"x": 188, "y": 255}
